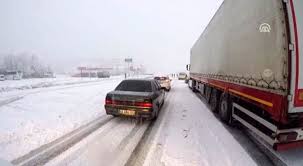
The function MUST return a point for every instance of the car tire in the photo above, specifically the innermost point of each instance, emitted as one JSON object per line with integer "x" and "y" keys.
{"x": 155, "y": 116}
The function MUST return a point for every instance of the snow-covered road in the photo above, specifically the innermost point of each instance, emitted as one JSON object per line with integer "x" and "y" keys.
{"x": 67, "y": 125}
{"x": 185, "y": 133}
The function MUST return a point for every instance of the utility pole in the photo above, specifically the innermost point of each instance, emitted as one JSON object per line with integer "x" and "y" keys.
{"x": 127, "y": 61}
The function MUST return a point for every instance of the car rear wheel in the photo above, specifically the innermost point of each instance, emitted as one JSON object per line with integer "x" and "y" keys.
{"x": 155, "y": 116}
{"x": 162, "y": 103}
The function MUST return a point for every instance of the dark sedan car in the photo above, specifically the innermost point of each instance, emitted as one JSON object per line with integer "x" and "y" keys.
{"x": 139, "y": 98}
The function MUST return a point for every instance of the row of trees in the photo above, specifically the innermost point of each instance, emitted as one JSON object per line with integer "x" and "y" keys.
{"x": 28, "y": 64}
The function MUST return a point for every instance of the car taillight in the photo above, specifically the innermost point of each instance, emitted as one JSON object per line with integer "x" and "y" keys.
{"x": 108, "y": 101}
{"x": 287, "y": 137}
{"x": 144, "y": 104}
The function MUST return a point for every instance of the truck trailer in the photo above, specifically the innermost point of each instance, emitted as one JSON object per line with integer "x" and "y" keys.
{"x": 248, "y": 63}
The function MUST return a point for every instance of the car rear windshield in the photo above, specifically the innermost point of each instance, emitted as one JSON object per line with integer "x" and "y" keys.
{"x": 135, "y": 86}
{"x": 161, "y": 78}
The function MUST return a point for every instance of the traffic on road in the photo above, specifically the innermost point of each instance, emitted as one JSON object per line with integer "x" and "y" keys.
{"x": 144, "y": 83}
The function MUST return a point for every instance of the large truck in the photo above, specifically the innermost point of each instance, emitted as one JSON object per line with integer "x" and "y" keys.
{"x": 248, "y": 63}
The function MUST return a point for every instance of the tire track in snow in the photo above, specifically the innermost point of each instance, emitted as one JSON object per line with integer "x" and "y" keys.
{"x": 128, "y": 138}
{"x": 143, "y": 147}
{"x": 10, "y": 100}
{"x": 43, "y": 154}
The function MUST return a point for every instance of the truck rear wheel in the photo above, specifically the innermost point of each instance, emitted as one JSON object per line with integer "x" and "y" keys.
{"x": 225, "y": 108}
{"x": 207, "y": 93}
{"x": 194, "y": 86}
{"x": 214, "y": 100}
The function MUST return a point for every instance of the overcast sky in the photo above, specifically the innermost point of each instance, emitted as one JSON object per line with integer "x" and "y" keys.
{"x": 155, "y": 33}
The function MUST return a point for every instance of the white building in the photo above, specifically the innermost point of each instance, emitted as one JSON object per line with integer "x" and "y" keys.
{"x": 13, "y": 75}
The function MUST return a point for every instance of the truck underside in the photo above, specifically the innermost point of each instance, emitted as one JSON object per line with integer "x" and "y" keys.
{"x": 251, "y": 108}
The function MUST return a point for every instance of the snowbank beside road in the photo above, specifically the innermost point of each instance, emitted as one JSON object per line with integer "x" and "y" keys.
{"x": 10, "y": 85}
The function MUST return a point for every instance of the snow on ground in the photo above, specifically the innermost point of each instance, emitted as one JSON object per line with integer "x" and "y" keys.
{"x": 9, "y": 85}
{"x": 40, "y": 117}
{"x": 292, "y": 157}
{"x": 16, "y": 93}
{"x": 192, "y": 135}
{"x": 186, "y": 133}
{"x": 112, "y": 144}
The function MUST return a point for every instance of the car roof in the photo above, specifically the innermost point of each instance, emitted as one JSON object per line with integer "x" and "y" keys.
{"x": 139, "y": 79}
{"x": 160, "y": 76}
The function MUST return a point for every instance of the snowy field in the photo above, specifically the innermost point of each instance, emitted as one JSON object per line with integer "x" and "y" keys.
{"x": 10, "y": 85}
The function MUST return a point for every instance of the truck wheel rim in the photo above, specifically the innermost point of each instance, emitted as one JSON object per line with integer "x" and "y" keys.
{"x": 223, "y": 108}
{"x": 213, "y": 102}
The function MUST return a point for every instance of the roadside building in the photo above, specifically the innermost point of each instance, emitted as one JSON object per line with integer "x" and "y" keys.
{"x": 13, "y": 75}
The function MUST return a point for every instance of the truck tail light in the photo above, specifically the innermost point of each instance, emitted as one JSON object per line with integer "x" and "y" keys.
{"x": 287, "y": 137}
{"x": 301, "y": 95}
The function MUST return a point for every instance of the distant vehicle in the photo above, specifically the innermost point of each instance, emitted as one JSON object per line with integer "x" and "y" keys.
{"x": 48, "y": 75}
{"x": 2, "y": 77}
{"x": 164, "y": 82}
{"x": 103, "y": 74}
{"x": 139, "y": 98}
{"x": 182, "y": 76}
{"x": 13, "y": 75}
{"x": 252, "y": 71}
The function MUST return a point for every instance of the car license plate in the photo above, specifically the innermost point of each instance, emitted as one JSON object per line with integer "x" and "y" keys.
{"x": 127, "y": 112}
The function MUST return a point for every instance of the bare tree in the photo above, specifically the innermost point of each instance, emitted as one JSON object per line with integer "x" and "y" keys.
{"x": 29, "y": 64}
